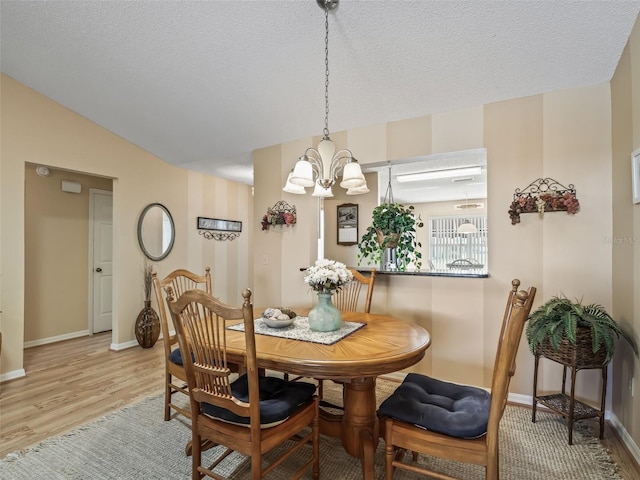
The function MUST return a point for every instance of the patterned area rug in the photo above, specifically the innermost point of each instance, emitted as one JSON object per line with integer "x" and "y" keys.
{"x": 136, "y": 443}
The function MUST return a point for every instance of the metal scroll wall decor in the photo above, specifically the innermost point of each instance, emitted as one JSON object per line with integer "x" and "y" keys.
{"x": 543, "y": 195}
{"x": 280, "y": 214}
{"x": 217, "y": 229}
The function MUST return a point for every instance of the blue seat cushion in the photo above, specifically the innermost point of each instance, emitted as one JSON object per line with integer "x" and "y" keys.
{"x": 447, "y": 408}
{"x": 278, "y": 399}
{"x": 176, "y": 357}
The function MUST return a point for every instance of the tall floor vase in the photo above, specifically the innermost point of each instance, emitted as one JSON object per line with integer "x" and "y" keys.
{"x": 325, "y": 317}
{"x": 147, "y": 326}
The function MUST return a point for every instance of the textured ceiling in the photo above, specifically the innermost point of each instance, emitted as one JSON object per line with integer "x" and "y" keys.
{"x": 203, "y": 83}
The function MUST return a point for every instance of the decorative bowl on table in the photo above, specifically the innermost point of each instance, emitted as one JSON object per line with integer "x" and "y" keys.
{"x": 278, "y": 317}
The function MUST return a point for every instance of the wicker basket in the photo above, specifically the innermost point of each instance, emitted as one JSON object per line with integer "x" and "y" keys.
{"x": 392, "y": 241}
{"x": 578, "y": 355}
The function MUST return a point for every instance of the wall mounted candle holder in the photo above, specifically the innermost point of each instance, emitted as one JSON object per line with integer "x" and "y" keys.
{"x": 543, "y": 195}
{"x": 280, "y": 214}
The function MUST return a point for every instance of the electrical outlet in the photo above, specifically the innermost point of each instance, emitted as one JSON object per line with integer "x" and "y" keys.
{"x": 265, "y": 260}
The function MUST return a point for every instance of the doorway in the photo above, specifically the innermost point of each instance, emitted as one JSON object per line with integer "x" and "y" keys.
{"x": 100, "y": 260}
{"x": 57, "y": 232}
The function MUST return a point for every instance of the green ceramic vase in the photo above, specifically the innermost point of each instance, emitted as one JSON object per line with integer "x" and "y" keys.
{"x": 325, "y": 317}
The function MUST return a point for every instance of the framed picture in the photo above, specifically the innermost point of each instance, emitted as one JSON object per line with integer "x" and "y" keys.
{"x": 348, "y": 224}
{"x": 218, "y": 224}
{"x": 635, "y": 176}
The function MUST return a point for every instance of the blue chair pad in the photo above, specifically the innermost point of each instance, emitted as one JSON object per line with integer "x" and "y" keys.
{"x": 278, "y": 399}
{"x": 447, "y": 408}
{"x": 176, "y": 357}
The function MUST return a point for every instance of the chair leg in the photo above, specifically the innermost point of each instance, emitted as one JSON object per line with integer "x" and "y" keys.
{"x": 167, "y": 396}
{"x": 388, "y": 462}
{"x": 196, "y": 459}
{"x": 492, "y": 470}
{"x": 315, "y": 426}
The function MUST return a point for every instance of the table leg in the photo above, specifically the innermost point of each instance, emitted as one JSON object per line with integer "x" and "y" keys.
{"x": 360, "y": 429}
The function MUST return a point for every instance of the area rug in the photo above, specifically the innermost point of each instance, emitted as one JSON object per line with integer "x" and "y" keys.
{"x": 136, "y": 443}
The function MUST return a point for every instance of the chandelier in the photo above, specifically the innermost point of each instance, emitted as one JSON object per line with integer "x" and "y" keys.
{"x": 321, "y": 167}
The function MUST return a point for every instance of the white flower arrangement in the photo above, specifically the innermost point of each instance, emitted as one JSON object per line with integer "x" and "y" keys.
{"x": 326, "y": 276}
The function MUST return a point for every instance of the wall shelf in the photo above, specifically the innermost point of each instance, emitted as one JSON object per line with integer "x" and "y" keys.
{"x": 541, "y": 196}
{"x": 280, "y": 214}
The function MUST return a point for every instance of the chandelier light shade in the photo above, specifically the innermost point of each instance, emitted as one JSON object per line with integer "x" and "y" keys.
{"x": 292, "y": 188}
{"x": 358, "y": 190}
{"x": 320, "y": 167}
{"x": 320, "y": 191}
{"x": 467, "y": 228}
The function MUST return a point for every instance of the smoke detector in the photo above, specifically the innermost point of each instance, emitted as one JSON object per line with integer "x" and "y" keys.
{"x": 42, "y": 171}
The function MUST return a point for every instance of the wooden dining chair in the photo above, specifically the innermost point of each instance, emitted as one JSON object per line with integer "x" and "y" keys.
{"x": 348, "y": 298}
{"x": 251, "y": 415}
{"x": 180, "y": 281}
{"x": 450, "y": 421}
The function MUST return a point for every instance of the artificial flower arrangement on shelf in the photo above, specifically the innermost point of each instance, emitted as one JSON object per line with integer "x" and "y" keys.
{"x": 543, "y": 195}
{"x": 280, "y": 214}
{"x": 326, "y": 277}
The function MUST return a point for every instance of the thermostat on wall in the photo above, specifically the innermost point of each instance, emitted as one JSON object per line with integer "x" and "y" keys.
{"x": 71, "y": 187}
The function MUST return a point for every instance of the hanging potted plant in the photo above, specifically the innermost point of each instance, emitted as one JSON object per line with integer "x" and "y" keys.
{"x": 393, "y": 226}
{"x": 562, "y": 328}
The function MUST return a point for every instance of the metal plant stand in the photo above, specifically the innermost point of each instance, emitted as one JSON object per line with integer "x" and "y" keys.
{"x": 575, "y": 357}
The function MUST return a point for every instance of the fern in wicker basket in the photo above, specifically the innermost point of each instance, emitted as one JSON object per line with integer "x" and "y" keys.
{"x": 560, "y": 322}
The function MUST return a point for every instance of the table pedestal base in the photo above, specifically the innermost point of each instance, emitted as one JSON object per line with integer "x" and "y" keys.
{"x": 357, "y": 427}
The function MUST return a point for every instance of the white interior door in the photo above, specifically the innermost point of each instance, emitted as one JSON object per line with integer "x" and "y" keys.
{"x": 102, "y": 260}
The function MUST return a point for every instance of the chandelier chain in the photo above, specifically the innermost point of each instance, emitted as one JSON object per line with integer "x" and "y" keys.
{"x": 326, "y": 69}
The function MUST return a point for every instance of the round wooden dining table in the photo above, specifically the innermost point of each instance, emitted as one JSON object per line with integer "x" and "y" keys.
{"x": 385, "y": 344}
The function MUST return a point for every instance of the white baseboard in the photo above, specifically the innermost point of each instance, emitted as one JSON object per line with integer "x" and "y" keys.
{"x": 82, "y": 333}
{"x": 520, "y": 399}
{"x": 57, "y": 338}
{"x": 11, "y": 375}
{"x": 122, "y": 346}
{"x": 626, "y": 438}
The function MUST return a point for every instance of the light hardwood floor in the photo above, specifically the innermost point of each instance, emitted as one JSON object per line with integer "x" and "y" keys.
{"x": 74, "y": 382}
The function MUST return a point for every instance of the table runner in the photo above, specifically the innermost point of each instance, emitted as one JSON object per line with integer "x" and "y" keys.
{"x": 299, "y": 330}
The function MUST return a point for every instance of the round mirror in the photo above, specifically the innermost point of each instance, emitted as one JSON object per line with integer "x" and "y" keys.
{"x": 156, "y": 231}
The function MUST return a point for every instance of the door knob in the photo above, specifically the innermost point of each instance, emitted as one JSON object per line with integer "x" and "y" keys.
{"x": 98, "y": 269}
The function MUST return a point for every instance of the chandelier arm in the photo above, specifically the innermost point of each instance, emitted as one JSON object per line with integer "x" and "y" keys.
{"x": 314, "y": 158}
{"x": 339, "y": 160}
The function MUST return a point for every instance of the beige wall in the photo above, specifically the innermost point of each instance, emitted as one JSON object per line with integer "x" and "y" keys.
{"x": 37, "y": 130}
{"x": 625, "y": 235}
{"x": 564, "y": 135}
{"x": 57, "y": 253}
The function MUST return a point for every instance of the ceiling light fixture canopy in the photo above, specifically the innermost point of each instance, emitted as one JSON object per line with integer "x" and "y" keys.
{"x": 321, "y": 167}
{"x": 436, "y": 174}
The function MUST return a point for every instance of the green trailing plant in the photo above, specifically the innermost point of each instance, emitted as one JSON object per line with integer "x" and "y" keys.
{"x": 560, "y": 318}
{"x": 389, "y": 219}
